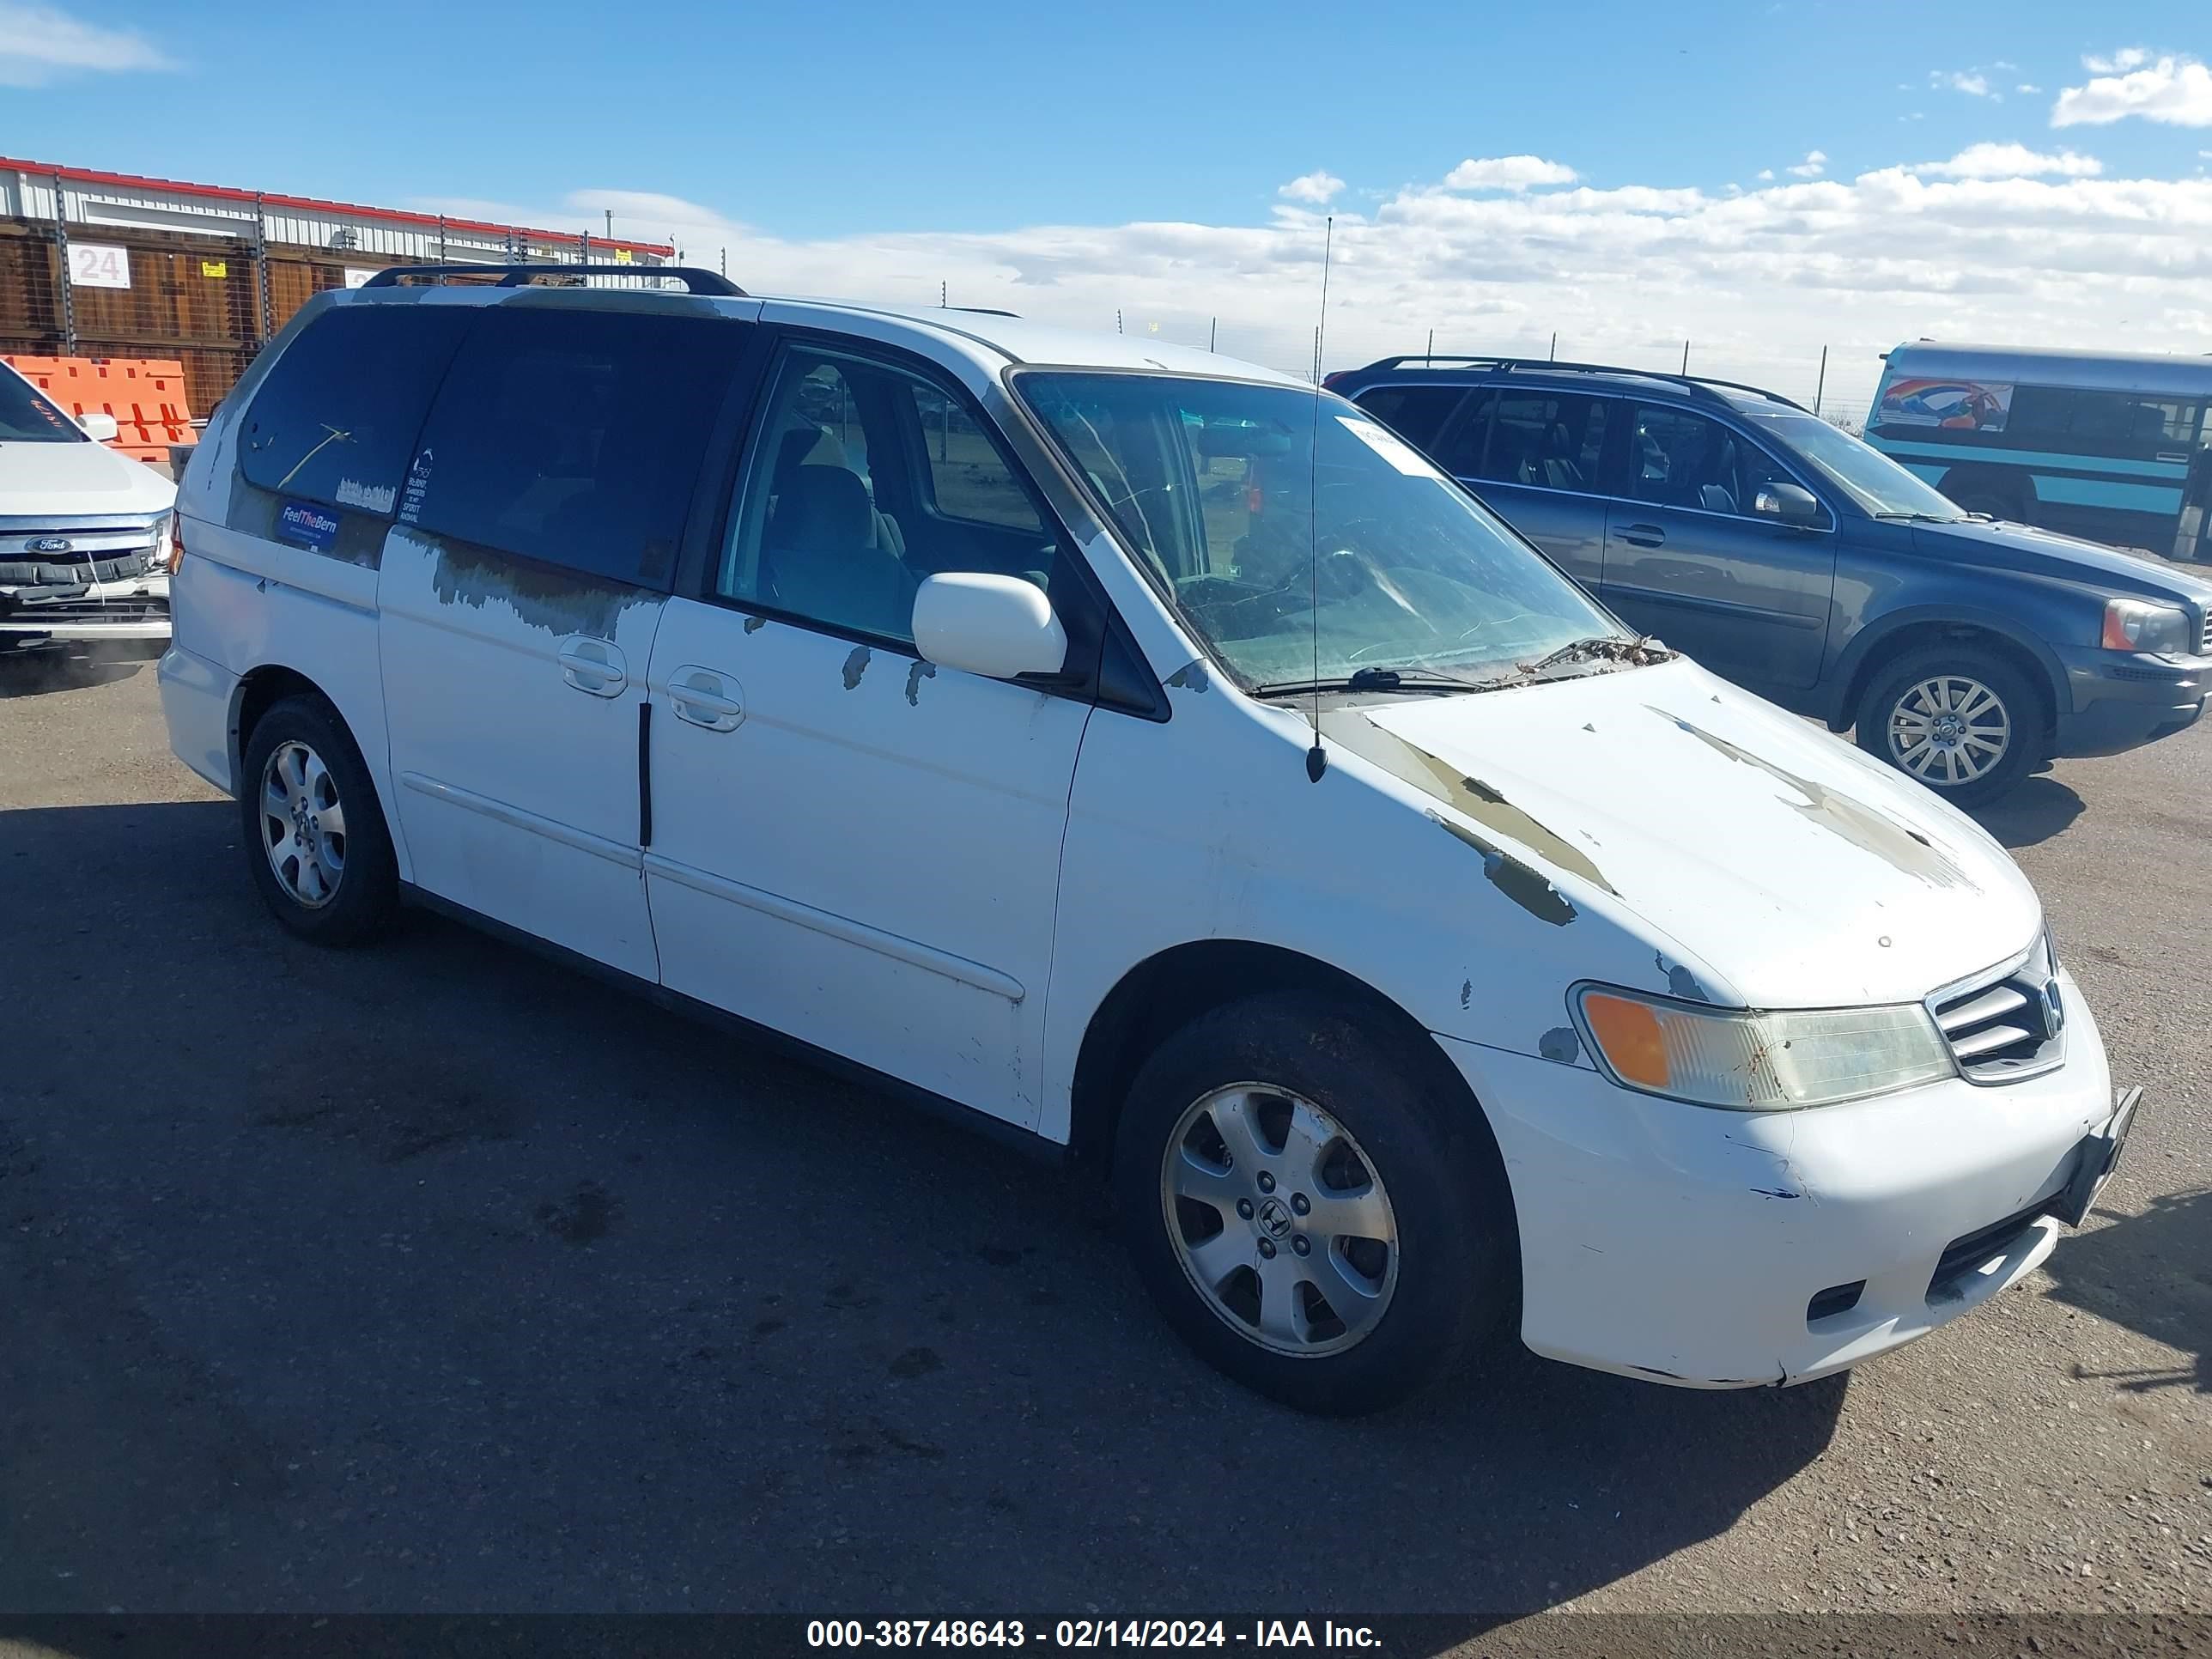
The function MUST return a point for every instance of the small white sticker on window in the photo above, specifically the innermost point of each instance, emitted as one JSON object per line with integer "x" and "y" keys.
{"x": 1391, "y": 447}
{"x": 375, "y": 498}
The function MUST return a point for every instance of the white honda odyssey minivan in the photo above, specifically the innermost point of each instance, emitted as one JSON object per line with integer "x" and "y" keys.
{"x": 1139, "y": 752}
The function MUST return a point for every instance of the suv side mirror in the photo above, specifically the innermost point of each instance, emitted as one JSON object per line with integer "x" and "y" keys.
{"x": 98, "y": 425}
{"x": 1791, "y": 503}
{"x": 998, "y": 627}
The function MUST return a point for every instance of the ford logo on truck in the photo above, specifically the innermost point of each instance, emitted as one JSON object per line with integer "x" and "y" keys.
{"x": 49, "y": 544}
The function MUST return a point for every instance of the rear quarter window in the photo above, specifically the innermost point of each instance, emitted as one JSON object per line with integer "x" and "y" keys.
{"x": 336, "y": 418}
{"x": 575, "y": 437}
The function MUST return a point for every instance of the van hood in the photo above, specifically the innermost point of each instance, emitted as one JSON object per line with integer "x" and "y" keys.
{"x": 2069, "y": 558}
{"x": 1768, "y": 863}
{"x": 58, "y": 481}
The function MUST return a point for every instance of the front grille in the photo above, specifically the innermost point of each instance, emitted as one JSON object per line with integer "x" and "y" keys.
{"x": 1972, "y": 1251}
{"x": 2204, "y": 642}
{"x": 2002, "y": 1026}
{"x": 98, "y": 552}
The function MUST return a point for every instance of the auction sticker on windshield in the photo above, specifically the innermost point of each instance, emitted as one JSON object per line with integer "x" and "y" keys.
{"x": 1391, "y": 447}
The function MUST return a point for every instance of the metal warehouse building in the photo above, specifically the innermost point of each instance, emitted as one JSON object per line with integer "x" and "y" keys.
{"x": 109, "y": 265}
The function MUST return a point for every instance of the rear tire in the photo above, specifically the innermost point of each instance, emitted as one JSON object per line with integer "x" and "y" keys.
{"x": 315, "y": 837}
{"x": 1937, "y": 713}
{"x": 1313, "y": 1218}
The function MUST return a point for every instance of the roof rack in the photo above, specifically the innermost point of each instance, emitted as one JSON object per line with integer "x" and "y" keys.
{"x": 1701, "y": 385}
{"x": 694, "y": 279}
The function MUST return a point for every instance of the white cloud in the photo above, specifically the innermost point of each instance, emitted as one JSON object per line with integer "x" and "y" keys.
{"x": 1514, "y": 173}
{"x": 1814, "y": 164}
{"x": 1761, "y": 281}
{"x": 2009, "y": 161}
{"x": 2175, "y": 91}
{"x": 1316, "y": 189}
{"x": 1973, "y": 83}
{"x": 2025, "y": 86}
{"x": 1765, "y": 175}
{"x": 39, "y": 45}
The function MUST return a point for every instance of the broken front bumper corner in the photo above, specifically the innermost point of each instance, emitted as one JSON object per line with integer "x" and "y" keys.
{"x": 132, "y": 608}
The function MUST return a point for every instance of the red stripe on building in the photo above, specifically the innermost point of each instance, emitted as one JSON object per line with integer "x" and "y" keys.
{"x": 310, "y": 204}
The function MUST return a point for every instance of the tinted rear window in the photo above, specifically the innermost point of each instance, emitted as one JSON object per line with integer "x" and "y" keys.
{"x": 335, "y": 421}
{"x": 1415, "y": 413}
{"x": 574, "y": 436}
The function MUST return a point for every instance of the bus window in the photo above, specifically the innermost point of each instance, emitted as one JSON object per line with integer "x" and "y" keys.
{"x": 2118, "y": 423}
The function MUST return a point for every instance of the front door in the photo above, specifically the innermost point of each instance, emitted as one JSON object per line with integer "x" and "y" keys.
{"x": 850, "y": 845}
{"x": 519, "y": 592}
{"x": 1689, "y": 558}
{"x": 1535, "y": 458}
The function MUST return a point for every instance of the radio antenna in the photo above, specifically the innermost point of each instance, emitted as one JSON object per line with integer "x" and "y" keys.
{"x": 1317, "y": 757}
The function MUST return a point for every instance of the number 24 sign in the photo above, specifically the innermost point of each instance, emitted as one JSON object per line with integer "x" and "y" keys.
{"x": 97, "y": 264}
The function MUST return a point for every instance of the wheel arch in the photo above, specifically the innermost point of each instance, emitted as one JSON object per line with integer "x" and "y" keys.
{"x": 1879, "y": 646}
{"x": 261, "y": 689}
{"x": 2005, "y": 482}
{"x": 1176, "y": 985}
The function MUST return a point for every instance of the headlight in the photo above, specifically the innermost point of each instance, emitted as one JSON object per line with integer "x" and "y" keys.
{"x": 1755, "y": 1062}
{"x": 2134, "y": 625}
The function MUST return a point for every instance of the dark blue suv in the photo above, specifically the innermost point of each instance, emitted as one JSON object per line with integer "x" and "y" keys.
{"x": 1784, "y": 553}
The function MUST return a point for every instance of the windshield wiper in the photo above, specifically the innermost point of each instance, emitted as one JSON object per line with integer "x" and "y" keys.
{"x": 1927, "y": 518}
{"x": 1602, "y": 648}
{"x": 1377, "y": 679}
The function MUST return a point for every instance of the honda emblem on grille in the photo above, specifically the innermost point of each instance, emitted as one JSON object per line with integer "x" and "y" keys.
{"x": 2052, "y": 1010}
{"x": 50, "y": 545}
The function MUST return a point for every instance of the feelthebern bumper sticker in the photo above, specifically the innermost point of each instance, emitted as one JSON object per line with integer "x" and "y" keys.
{"x": 305, "y": 525}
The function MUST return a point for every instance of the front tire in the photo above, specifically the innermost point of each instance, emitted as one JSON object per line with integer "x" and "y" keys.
{"x": 1958, "y": 718}
{"x": 315, "y": 837}
{"x": 1311, "y": 1217}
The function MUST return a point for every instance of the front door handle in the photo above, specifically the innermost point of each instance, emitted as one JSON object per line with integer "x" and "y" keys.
{"x": 706, "y": 697}
{"x": 592, "y": 666}
{"x": 1644, "y": 535}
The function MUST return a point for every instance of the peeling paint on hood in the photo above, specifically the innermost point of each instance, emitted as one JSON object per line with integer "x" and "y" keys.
{"x": 1487, "y": 805}
{"x": 1770, "y": 861}
{"x": 1898, "y": 844}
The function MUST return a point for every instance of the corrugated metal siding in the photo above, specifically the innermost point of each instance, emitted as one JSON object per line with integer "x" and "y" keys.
{"x": 29, "y": 195}
{"x": 194, "y": 293}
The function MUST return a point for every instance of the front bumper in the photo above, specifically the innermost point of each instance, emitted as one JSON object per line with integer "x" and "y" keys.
{"x": 1689, "y": 1246}
{"x": 2119, "y": 701}
{"x": 132, "y": 608}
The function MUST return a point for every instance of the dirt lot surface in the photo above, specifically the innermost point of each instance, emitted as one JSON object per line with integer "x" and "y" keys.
{"x": 436, "y": 1276}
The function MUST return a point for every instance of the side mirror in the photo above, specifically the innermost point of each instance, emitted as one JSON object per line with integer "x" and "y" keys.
{"x": 1791, "y": 503}
{"x": 98, "y": 425}
{"x": 996, "y": 626}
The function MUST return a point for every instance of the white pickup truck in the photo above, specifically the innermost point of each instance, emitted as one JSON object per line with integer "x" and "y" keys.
{"x": 84, "y": 532}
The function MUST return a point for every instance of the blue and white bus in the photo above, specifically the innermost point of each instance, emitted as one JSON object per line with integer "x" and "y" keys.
{"x": 2111, "y": 446}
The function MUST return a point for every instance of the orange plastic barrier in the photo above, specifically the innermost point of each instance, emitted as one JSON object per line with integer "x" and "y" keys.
{"x": 146, "y": 396}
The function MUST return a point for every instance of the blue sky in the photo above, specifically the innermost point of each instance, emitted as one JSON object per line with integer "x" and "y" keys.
{"x": 818, "y": 121}
{"x": 1036, "y": 151}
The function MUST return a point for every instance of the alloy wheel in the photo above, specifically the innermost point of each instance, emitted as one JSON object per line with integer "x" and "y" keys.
{"x": 303, "y": 828}
{"x": 1279, "y": 1219}
{"x": 1949, "y": 729}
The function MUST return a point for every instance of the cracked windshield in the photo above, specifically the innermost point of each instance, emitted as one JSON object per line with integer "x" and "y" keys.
{"x": 1214, "y": 483}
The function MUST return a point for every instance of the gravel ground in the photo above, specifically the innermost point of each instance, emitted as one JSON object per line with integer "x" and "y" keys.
{"x": 436, "y": 1276}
